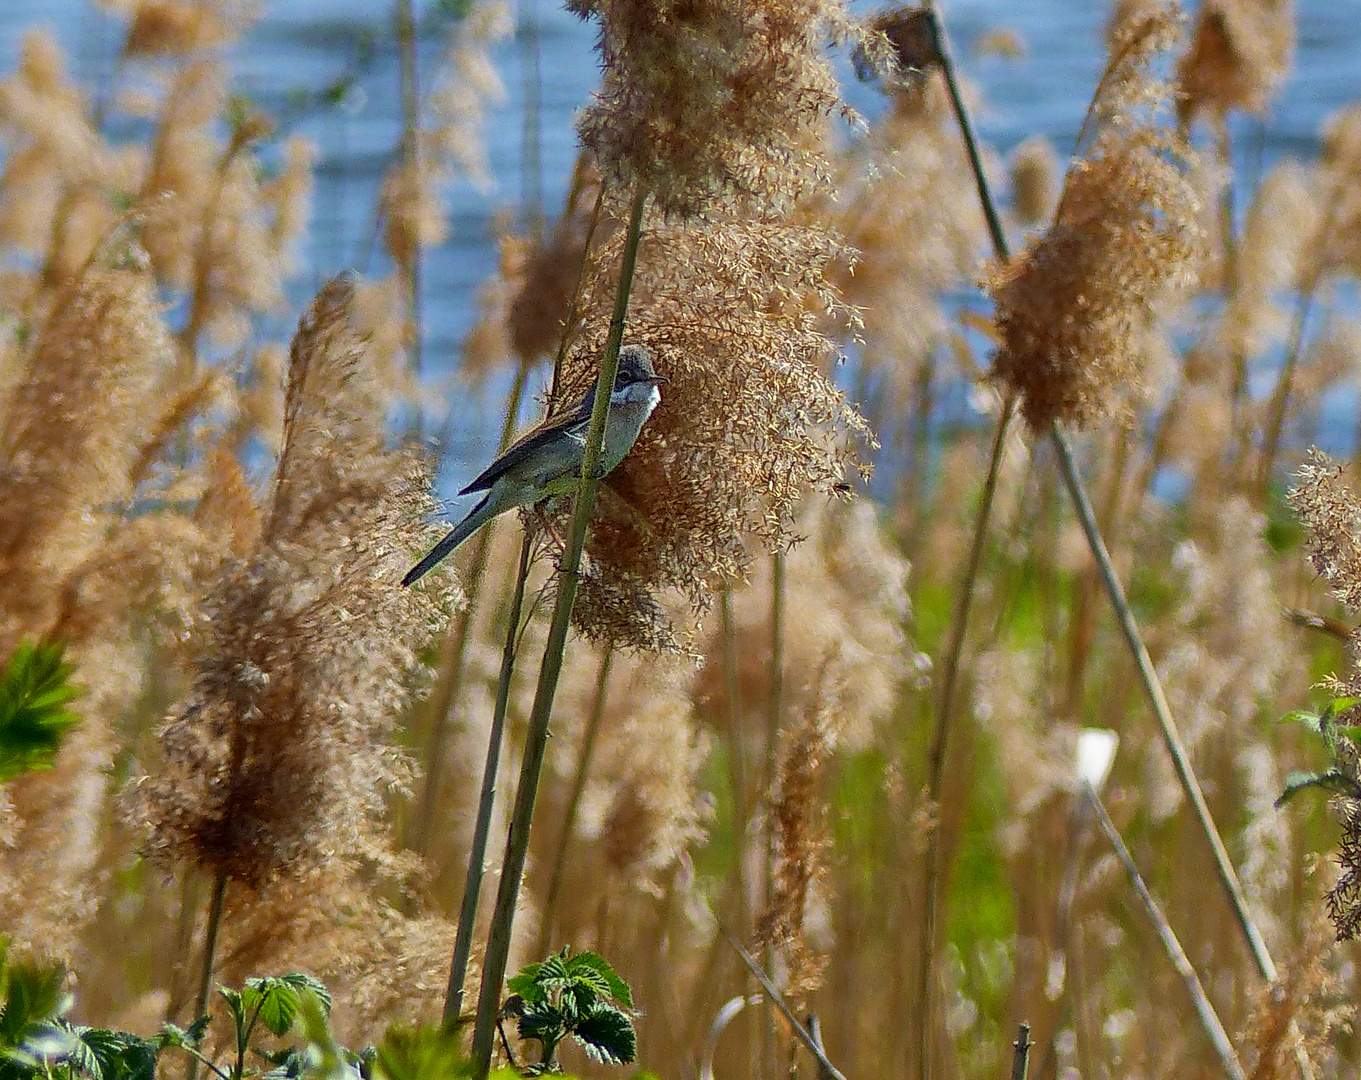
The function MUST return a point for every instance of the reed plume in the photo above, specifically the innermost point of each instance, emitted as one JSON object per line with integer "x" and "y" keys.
{"x": 282, "y": 757}
{"x": 1240, "y": 53}
{"x": 704, "y": 102}
{"x": 1071, "y": 306}
{"x": 747, "y": 424}
{"x": 797, "y": 811}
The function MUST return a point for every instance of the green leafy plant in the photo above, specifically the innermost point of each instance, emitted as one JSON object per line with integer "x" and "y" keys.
{"x": 36, "y": 1040}
{"x": 1343, "y": 777}
{"x": 35, "y": 689}
{"x": 577, "y": 997}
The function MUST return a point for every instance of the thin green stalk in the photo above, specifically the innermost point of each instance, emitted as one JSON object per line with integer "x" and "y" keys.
{"x": 569, "y": 817}
{"x": 1020, "y": 1057}
{"x": 477, "y": 853}
{"x": 773, "y": 720}
{"x": 964, "y": 600}
{"x": 773, "y": 995}
{"x": 940, "y": 735}
{"x": 1181, "y": 762}
{"x": 454, "y": 662}
{"x": 536, "y": 739}
{"x": 1115, "y": 592}
{"x": 205, "y": 985}
{"x": 1209, "y": 1019}
{"x": 410, "y": 91}
{"x": 1280, "y": 397}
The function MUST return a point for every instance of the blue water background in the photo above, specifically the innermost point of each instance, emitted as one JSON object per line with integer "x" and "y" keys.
{"x": 305, "y": 45}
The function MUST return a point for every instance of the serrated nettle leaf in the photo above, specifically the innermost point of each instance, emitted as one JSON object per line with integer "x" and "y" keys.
{"x": 274, "y": 1000}
{"x": 235, "y": 1004}
{"x": 525, "y": 983}
{"x": 33, "y": 995}
{"x": 424, "y": 1053}
{"x": 607, "y": 1035}
{"x": 615, "y": 985}
{"x": 198, "y": 1029}
{"x": 305, "y": 984}
{"x": 542, "y": 1022}
{"x": 173, "y": 1035}
{"x": 552, "y": 973}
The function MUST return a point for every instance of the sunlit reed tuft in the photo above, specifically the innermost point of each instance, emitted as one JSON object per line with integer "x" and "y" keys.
{"x": 1070, "y": 308}
{"x": 282, "y": 757}
{"x": 748, "y": 422}
{"x": 713, "y": 99}
{"x": 1239, "y": 55}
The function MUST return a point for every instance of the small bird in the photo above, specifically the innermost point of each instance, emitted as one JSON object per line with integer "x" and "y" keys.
{"x": 547, "y": 461}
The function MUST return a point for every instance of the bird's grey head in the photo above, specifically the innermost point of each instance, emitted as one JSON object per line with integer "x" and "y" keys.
{"x": 637, "y": 380}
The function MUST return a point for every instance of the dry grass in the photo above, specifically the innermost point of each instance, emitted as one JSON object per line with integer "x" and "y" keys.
{"x": 216, "y": 521}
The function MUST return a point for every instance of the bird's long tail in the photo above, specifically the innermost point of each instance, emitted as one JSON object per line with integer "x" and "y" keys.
{"x": 477, "y": 517}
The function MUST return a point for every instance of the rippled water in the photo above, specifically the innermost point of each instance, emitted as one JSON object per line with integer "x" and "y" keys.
{"x": 306, "y": 44}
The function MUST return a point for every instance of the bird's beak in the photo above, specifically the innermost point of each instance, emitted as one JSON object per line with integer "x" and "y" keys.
{"x": 657, "y": 380}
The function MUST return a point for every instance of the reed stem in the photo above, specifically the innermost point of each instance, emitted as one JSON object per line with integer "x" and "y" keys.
{"x": 455, "y": 658}
{"x": 410, "y": 91}
{"x": 477, "y": 853}
{"x": 569, "y": 817}
{"x": 940, "y": 735}
{"x": 205, "y": 983}
{"x": 1068, "y": 468}
{"x": 1176, "y": 750}
{"x": 536, "y": 739}
{"x": 1209, "y": 1019}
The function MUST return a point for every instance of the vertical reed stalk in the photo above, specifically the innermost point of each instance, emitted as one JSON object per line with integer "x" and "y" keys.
{"x": 536, "y": 740}
{"x": 773, "y": 718}
{"x": 531, "y": 84}
{"x": 1181, "y": 762}
{"x": 205, "y": 983}
{"x": 410, "y": 91}
{"x": 1209, "y": 1019}
{"x": 477, "y": 853}
{"x": 569, "y": 817}
{"x": 1068, "y": 468}
{"x": 1280, "y": 396}
{"x": 454, "y": 660}
{"x": 940, "y": 735}
{"x": 184, "y": 941}
{"x": 959, "y": 622}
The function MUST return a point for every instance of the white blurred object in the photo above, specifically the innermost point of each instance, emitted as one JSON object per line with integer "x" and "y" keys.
{"x": 1096, "y": 755}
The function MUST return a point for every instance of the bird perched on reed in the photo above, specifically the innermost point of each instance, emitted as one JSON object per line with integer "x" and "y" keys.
{"x": 547, "y": 461}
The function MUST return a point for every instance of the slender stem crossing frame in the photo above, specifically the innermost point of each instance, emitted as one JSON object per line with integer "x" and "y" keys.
{"x": 536, "y": 740}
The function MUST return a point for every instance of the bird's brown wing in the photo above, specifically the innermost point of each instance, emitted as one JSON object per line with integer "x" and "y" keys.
{"x": 574, "y": 423}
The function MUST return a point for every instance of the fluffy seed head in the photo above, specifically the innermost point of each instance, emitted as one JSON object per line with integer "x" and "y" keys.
{"x": 1071, "y": 307}
{"x": 281, "y": 759}
{"x": 747, "y": 423}
{"x": 707, "y": 98}
{"x": 1239, "y": 55}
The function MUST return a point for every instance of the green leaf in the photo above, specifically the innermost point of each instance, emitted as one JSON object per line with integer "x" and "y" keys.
{"x": 34, "y": 691}
{"x": 615, "y": 986}
{"x": 1304, "y": 718}
{"x": 607, "y": 1035}
{"x": 422, "y": 1053}
{"x": 120, "y": 1055}
{"x": 236, "y": 1003}
{"x": 276, "y": 1000}
{"x": 1333, "y": 780}
{"x": 33, "y": 995}
{"x": 542, "y": 1022}
{"x": 526, "y": 984}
